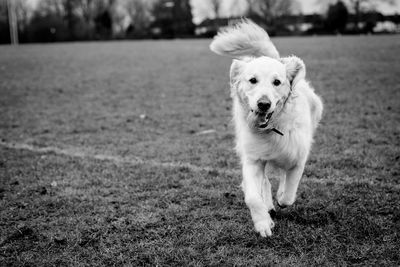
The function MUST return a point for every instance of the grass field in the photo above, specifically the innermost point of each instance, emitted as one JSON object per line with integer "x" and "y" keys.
{"x": 122, "y": 154}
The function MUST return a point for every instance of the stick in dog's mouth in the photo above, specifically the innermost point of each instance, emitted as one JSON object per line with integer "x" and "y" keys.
{"x": 264, "y": 124}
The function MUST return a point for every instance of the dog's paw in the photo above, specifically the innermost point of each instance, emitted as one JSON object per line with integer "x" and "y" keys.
{"x": 264, "y": 227}
{"x": 284, "y": 200}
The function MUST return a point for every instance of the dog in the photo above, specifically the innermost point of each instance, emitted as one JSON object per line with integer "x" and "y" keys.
{"x": 275, "y": 113}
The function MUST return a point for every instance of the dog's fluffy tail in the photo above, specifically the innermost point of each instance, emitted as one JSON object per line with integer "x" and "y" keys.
{"x": 244, "y": 39}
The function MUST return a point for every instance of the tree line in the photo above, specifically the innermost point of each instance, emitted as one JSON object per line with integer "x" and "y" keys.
{"x": 282, "y": 17}
{"x": 72, "y": 20}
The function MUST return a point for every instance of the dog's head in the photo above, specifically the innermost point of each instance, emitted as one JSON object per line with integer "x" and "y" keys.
{"x": 263, "y": 84}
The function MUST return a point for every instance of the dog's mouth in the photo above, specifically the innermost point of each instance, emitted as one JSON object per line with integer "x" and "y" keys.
{"x": 265, "y": 120}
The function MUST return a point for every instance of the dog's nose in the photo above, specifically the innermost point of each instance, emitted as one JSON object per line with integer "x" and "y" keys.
{"x": 263, "y": 105}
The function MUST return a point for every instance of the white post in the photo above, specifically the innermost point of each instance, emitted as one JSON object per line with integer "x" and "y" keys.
{"x": 12, "y": 21}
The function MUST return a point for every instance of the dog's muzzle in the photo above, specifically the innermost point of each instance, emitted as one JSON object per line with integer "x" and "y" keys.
{"x": 264, "y": 122}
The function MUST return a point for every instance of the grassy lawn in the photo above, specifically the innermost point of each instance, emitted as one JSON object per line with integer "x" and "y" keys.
{"x": 131, "y": 159}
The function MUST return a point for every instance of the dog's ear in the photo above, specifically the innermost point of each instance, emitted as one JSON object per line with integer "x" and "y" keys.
{"x": 237, "y": 68}
{"x": 295, "y": 69}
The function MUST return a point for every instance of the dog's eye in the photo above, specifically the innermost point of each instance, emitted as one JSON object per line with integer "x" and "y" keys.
{"x": 253, "y": 81}
{"x": 277, "y": 82}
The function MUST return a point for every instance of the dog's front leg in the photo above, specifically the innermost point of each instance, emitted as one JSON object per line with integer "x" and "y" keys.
{"x": 288, "y": 187}
{"x": 257, "y": 197}
{"x": 281, "y": 187}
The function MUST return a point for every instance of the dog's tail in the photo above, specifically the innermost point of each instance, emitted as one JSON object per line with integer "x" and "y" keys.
{"x": 244, "y": 39}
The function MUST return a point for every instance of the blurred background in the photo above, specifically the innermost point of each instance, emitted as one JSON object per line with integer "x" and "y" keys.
{"x": 26, "y": 21}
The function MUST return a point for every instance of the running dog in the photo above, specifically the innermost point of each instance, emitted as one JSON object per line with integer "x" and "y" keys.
{"x": 275, "y": 112}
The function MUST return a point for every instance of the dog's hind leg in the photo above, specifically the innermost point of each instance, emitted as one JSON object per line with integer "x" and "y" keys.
{"x": 257, "y": 193}
{"x": 288, "y": 188}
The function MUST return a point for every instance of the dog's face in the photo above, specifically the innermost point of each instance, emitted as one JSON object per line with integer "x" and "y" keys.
{"x": 263, "y": 84}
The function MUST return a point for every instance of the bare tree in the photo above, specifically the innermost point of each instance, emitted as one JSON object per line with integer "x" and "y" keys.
{"x": 359, "y": 6}
{"x": 216, "y": 7}
{"x": 23, "y": 10}
{"x": 364, "y": 5}
{"x": 269, "y": 10}
{"x": 139, "y": 12}
{"x": 234, "y": 7}
{"x": 87, "y": 10}
{"x": 50, "y": 7}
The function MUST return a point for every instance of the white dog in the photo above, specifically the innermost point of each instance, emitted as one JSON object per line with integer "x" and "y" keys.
{"x": 275, "y": 113}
